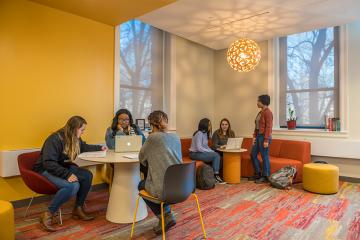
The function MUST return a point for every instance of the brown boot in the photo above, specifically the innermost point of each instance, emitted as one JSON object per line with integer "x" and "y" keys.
{"x": 46, "y": 221}
{"x": 56, "y": 218}
{"x": 78, "y": 213}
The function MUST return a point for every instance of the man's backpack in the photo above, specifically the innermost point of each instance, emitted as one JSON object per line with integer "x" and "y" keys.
{"x": 205, "y": 177}
{"x": 283, "y": 178}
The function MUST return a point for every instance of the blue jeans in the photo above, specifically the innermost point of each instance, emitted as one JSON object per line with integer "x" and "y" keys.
{"x": 69, "y": 189}
{"x": 208, "y": 157}
{"x": 259, "y": 147}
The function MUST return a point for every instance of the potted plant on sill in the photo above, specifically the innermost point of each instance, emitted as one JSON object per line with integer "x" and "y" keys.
{"x": 291, "y": 121}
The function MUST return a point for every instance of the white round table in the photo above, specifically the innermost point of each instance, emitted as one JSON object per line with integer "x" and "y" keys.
{"x": 124, "y": 189}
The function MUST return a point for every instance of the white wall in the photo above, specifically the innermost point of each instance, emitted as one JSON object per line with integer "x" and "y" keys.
{"x": 354, "y": 79}
{"x": 194, "y": 73}
{"x": 236, "y": 93}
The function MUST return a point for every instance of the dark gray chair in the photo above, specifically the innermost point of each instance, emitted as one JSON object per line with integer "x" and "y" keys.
{"x": 179, "y": 184}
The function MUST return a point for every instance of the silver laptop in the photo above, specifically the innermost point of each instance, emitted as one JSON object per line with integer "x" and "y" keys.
{"x": 234, "y": 143}
{"x": 131, "y": 143}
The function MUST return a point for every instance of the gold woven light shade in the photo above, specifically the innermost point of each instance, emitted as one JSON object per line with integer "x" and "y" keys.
{"x": 243, "y": 55}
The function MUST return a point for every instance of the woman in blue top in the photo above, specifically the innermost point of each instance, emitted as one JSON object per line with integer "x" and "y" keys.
{"x": 200, "y": 149}
{"x": 122, "y": 124}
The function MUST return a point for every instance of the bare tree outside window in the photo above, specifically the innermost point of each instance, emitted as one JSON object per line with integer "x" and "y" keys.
{"x": 309, "y": 76}
{"x": 141, "y": 68}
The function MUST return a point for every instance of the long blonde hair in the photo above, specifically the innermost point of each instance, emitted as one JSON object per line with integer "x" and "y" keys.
{"x": 71, "y": 141}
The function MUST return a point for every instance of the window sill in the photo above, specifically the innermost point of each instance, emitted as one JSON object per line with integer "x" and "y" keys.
{"x": 310, "y": 133}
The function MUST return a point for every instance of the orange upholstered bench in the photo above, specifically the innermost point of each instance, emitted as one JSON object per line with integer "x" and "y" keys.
{"x": 185, "y": 146}
{"x": 282, "y": 153}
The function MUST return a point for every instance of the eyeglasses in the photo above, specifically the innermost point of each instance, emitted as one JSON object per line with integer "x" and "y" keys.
{"x": 124, "y": 120}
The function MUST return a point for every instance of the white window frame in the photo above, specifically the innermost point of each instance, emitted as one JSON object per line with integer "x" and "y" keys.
{"x": 274, "y": 88}
{"x": 169, "y": 80}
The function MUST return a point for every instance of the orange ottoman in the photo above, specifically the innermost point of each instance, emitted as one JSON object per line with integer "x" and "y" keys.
{"x": 7, "y": 229}
{"x": 321, "y": 178}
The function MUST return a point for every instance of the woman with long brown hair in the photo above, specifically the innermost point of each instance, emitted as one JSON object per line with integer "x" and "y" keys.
{"x": 221, "y": 135}
{"x": 57, "y": 153}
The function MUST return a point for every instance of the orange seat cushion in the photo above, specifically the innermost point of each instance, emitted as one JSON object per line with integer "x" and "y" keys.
{"x": 198, "y": 163}
{"x": 278, "y": 163}
{"x": 282, "y": 153}
{"x": 185, "y": 146}
{"x": 146, "y": 195}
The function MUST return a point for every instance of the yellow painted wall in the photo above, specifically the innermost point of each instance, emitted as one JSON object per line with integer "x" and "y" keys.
{"x": 53, "y": 65}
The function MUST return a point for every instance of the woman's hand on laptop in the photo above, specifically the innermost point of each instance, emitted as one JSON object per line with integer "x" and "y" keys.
{"x": 104, "y": 148}
{"x": 223, "y": 147}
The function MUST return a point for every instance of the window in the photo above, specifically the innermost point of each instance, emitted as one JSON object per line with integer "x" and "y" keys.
{"x": 141, "y": 68}
{"x": 309, "y": 77}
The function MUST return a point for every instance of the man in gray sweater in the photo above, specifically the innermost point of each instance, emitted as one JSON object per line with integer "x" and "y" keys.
{"x": 160, "y": 150}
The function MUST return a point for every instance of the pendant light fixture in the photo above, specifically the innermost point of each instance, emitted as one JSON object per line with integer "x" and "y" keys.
{"x": 243, "y": 55}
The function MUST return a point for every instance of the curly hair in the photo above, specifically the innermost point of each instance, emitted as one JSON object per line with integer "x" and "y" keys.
{"x": 115, "y": 120}
{"x": 264, "y": 99}
{"x": 157, "y": 119}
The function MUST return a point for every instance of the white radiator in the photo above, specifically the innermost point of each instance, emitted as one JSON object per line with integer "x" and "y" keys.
{"x": 9, "y": 165}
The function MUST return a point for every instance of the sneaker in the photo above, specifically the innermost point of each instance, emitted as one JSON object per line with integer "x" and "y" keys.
{"x": 262, "y": 180}
{"x": 219, "y": 180}
{"x": 169, "y": 222}
{"x": 254, "y": 178}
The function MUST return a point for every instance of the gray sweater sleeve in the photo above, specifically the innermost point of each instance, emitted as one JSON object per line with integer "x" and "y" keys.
{"x": 142, "y": 154}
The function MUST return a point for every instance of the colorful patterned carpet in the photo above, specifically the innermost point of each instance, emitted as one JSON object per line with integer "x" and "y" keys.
{"x": 243, "y": 211}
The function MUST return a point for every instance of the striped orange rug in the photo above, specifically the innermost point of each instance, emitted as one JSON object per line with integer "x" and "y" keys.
{"x": 243, "y": 211}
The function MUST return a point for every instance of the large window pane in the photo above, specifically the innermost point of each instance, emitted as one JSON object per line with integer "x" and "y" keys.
{"x": 141, "y": 68}
{"x": 309, "y": 76}
{"x": 312, "y": 113}
{"x": 139, "y": 101}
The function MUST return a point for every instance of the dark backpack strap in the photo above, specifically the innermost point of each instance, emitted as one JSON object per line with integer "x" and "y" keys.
{"x": 323, "y": 162}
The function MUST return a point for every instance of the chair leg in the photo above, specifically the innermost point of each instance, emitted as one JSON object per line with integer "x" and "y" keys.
{"x": 133, "y": 224}
{"x": 201, "y": 219}
{"x": 60, "y": 217}
{"x": 162, "y": 220}
{"x": 27, "y": 209}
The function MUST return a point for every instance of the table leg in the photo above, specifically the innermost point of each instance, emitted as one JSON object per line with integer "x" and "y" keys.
{"x": 232, "y": 167}
{"x": 124, "y": 192}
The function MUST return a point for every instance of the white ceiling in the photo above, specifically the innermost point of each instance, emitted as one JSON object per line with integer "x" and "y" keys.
{"x": 217, "y": 23}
